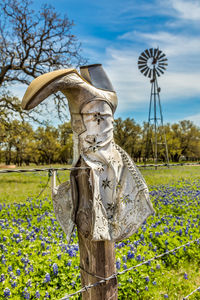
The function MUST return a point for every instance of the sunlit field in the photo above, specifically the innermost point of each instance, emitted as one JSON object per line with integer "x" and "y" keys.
{"x": 36, "y": 261}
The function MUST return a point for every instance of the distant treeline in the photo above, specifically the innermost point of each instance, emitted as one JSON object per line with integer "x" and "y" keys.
{"x": 21, "y": 144}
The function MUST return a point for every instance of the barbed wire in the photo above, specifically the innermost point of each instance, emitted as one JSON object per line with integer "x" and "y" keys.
{"x": 84, "y": 168}
{"x": 87, "y": 287}
{"x": 186, "y": 297}
{"x": 43, "y": 170}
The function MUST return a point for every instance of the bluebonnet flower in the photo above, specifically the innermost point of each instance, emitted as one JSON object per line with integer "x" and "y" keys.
{"x": 9, "y": 268}
{"x": 37, "y": 294}
{"x": 151, "y": 235}
{"x": 146, "y": 288}
{"x": 2, "y": 278}
{"x": 166, "y": 296}
{"x": 130, "y": 254}
{"x": 147, "y": 278}
{"x": 185, "y": 276}
{"x": 55, "y": 268}
{"x": 18, "y": 272}
{"x": 124, "y": 266}
{"x": 59, "y": 256}
{"x": 46, "y": 295}
{"x": 118, "y": 263}
{"x": 14, "y": 284}
{"x": 69, "y": 263}
{"x": 73, "y": 283}
{"x": 124, "y": 258}
{"x": 154, "y": 282}
{"x": 7, "y": 292}
{"x": 47, "y": 277}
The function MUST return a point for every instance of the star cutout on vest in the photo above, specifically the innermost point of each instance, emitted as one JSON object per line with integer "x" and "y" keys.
{"x": 106, "y": 183}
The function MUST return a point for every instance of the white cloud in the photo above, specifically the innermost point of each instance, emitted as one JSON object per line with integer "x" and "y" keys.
{"x": 189, "y": 10}
{"x": 194, "y": 118}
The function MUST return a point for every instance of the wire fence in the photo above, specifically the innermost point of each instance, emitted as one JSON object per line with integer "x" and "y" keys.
{"x": 103, "y": 280}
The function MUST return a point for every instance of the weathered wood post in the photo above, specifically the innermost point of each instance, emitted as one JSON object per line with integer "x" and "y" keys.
{"x": 106, "y": 197}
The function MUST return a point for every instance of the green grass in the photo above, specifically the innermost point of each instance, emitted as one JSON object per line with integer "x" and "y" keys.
{"x": 17, "y": 187}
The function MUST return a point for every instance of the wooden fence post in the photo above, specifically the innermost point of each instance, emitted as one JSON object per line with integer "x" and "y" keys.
{"x": 97, "y": 258}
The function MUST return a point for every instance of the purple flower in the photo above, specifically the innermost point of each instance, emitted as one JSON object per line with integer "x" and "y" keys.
{"x": 47, "y": 295}
{"x": 2, "y": 278}
{"x": 69, "y": 263}
{"x": 37, "y": 294}
{"x": 166, "y": 296}
{"x": 130, "y": 254}
{"x": 47, "y": 277}
{"x": 185, "y": 276}
{"x": 118, "y": 264}
{"x": 18, "y": 272}
{"x": 6, "y": 292}
{"x": 154, "y": 282}
{"x": 55, "y": 268}
{"x": 147, "y": 279}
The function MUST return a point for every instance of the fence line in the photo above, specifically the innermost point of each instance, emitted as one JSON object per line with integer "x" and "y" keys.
{"x": 186, "y": 297}
{"x": 84, "y": 168}
{"x": 43, "y": 170}
{"x": 87, "y": 287}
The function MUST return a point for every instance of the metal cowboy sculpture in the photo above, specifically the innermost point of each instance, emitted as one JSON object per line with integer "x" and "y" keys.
{"x": 107, "y": 200}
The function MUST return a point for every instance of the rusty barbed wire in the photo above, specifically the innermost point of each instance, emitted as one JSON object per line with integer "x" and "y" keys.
{"x": 87, "y": 287}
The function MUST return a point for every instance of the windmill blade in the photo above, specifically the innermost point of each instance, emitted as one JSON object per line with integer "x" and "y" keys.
{"x": 158, "y": 54}
{"x": 150, "y": 73}
{"x": 161, "y": 67}
{"x": 162, "y": 64}
{"x": 161, "y": 56}
{"x": 155, "y": 52}
{"x": 142, "y": 66}
{"x": 140, "y": 62}
{"x": 151, "y": 51}
{"x": 144, "y": 55}
{"x": 142, "y": 58}
{"x": 147, "y": 52}
{"x": 144, "y": 69}
{"x": 164, "y": 59}
{"x": 157, "y": 73}
{"x": 146, "y": 72}
{"x": 161, "y": 71}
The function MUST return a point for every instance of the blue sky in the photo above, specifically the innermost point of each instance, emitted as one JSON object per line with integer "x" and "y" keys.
{"x": 114, "y": 33}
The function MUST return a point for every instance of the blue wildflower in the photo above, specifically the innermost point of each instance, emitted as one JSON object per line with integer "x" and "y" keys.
{"x": 185, "y": 276}
{"x": 55, "y": 268}
{"x": 147, "y": 279}
{"x": 37, "y": 294}
{"x": 118, "y": 264}
{"x": 2, "y": 278}
{"x": 47, "y": 277}
{"x": 7, "y": 292}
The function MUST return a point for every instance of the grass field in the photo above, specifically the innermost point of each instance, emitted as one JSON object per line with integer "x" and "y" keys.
{"x": 16, "y": 187}
{"x": 36, "y": 261}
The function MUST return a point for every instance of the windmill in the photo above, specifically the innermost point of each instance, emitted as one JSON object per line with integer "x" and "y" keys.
{"x": 152, "y": 63}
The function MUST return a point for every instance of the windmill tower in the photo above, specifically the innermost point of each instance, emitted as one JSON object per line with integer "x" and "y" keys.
{"x": 152, "y": 63}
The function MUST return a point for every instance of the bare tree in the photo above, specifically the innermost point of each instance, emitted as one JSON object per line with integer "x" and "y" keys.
{"x": 33, "y": 43}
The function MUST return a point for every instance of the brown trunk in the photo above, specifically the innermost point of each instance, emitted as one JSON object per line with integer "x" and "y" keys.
{"x": 97, "y": 258}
